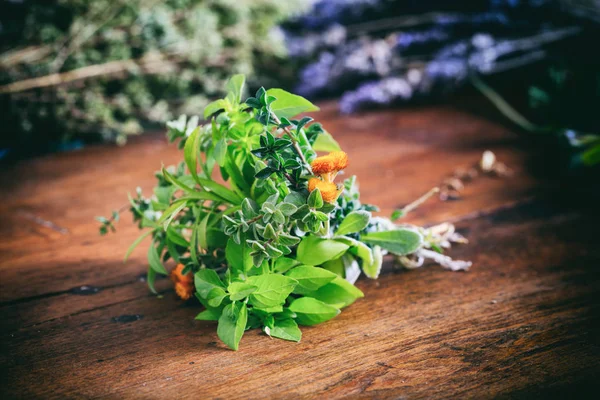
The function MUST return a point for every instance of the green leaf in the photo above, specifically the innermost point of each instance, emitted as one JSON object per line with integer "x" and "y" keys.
{"x": 170, "y": 213}
{"x": 235, "y": 86}
{"x": 326, "y": 142}
{"x": 238, "y": 255}
{"x": 284, "y": 264}
{"x": 399, "y": 242}
{"x": 310, "y": 311}
{"x": 287, "y": 208}
{"x": 310, "y": 278}
{"x": 232, "y": 324}
{"x": 174, "y": 181}
{"x": 354, "y": 222}
{"x": 240, "y": 290}
{"x": 136, "y": 243}
{"x": 216, "y": 296}
{"x": 221, "y": 152}
{"x": 190, "y": 152}
{"x": 154, "y": 261}
{"x": 272, "y": 289}
{"x": 210, "y": 314}
{"x": 373, "y": 268}
{"x": 177, "y": 237}
{"x": 314, "y": 250}
{"x": 289, "y": 105}
{"x": 315, "y": 200}
{"x": 213, "y": 107}
{"x": 221, "y": 191}
{"x": 150, "y": 278}
{"x": 202, "y": 231}
{"x": 357, "y": 248}
{"x": 339, "y": 293}
{"x": 296, "y": 199}
{"x": 205, "y": 280}
{"x": 286, "y": 329}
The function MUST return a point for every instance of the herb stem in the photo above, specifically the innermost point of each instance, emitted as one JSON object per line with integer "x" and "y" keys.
{"x": 294, "y": 142}
{"x": 410, "y": 207}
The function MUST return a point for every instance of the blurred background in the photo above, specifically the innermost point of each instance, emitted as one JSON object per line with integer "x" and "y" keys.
{"x": 78, "y": 72}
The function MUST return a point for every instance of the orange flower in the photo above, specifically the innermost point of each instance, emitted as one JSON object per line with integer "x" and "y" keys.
{"x": 340, "y": 159}
{"x": 184, "y": 284}
{"x": 329, "y": 190}
{"x": 332, "y": 162}
{"x": 184, "y": 291}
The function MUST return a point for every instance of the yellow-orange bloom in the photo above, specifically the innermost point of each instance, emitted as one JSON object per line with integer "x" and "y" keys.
{"x": 329, "y": 191}
{"x": 183, "y": 290}
{"x": 340, "y": 159}
{"x": 332, "y": 162}
{"x": 184, "y": 284}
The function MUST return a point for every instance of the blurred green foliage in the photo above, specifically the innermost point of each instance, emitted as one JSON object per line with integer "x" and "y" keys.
{"x": 106, "y": 69}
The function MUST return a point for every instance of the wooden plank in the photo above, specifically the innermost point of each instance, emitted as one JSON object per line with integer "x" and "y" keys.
{"x": 521, "y": 318}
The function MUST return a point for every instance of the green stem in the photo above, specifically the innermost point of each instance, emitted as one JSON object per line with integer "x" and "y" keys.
{"x": 506, "y": 109}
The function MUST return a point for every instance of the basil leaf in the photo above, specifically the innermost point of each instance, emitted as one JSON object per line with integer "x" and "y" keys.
{"x": 283, "y": 264}
{"x": 286, "y": 329}
{"x": 235, "y": 86}
{"x": 213, "y": 107}
{"x": 314, "y": 250}
{"x": 310, "y": 311}
{"x": 232, "y": 324}
{"x": 240, "y": 290}
{"x": 289, "y": 105}
{"x": 210, "y": 314}
{"x": 354, "y": 222}
{"x": 238, "y": 255}
{"x": 205, "y": 280}
{"x": 310, "y": 278}
{"x": 272, "y": 289}
{"x": 399, "y": 242}
{"x": 339, "y": 293}
{"x": 326, "y": 142}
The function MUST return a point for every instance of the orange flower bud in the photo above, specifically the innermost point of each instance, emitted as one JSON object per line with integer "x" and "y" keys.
{"x": 177, "y": 276}
{"x": 184, "y": 290}
{"x": 331, "y": 163}
{"x": 322, "y": 165}
{"x": 329, "y": 191}
{"x": 340, "y": 160}
{"x": 184, "y": 284}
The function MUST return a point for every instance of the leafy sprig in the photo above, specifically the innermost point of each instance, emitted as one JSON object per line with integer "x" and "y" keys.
{"x": 266, "y": 249}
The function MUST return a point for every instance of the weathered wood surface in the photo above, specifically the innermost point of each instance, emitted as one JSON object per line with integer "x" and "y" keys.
{"x": 523, "y": 322}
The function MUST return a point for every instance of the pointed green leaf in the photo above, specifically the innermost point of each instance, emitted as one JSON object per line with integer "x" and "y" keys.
{"x": 286, "y": 329}
{"x": 232, "y": 324}
{"x": 154, "y": 261}
{"x": 399, "y": 242}
{"x": 310, "y": 311}
{"x": 289, "y": 105}
{"x": 314, "y": 250}
{"x": 310, "y": 278}
{"x": 354, "y": 222}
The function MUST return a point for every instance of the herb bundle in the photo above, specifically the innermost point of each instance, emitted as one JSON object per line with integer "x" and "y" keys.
{"x": 281, "y": 242}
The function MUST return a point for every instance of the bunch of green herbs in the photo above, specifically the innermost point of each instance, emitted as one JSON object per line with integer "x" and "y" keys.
{"x": 264, "y": 251}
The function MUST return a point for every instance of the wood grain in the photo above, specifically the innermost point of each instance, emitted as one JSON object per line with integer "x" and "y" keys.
{"x": 523, "y": 322}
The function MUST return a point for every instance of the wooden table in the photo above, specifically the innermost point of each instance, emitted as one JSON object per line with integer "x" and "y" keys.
{"x": 524, "y": 321}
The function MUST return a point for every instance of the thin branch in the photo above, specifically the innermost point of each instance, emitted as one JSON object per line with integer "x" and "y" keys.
{"x": 294, "y": 142}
